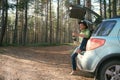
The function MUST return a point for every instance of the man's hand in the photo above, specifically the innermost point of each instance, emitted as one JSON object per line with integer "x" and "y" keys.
{"x": 78, "y": 51}
{"x": 75, "y": 34}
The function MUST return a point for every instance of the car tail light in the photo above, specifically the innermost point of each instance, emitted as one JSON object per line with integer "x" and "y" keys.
{"x": 94, "y": 43}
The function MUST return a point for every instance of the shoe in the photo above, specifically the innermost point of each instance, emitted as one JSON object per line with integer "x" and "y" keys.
{"x": 73, "y": 73}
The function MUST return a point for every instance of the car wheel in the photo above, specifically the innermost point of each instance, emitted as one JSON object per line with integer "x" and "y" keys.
{"x": 110, "y": 71}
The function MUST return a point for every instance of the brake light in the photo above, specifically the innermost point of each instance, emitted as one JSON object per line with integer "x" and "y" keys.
{"x": 94, "y": 43}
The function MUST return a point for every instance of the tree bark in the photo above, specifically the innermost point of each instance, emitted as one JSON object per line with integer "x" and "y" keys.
{"x": 109, "y": 8}
{"x": 101, "y": 8}
{"x": 16, "y": 23}
{"x": 58, "y": 30}
{"x": 50, "y": 21}
{"x": 78, "y": 2}
{"x": 105, "y": 15}
{"x": 4, "y": 19}
{"x": 25, "y": 26}
{"x": 46, "y": 32}
{"x": 114, "y": 8}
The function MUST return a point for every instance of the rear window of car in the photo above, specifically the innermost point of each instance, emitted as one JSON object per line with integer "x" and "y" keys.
{"x": 104, "y": 28}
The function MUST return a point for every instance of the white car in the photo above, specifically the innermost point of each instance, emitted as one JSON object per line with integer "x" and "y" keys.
{"x": 102, "y": 55}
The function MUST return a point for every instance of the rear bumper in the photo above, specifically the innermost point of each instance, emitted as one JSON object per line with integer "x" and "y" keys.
{"x": 88, "y": 61}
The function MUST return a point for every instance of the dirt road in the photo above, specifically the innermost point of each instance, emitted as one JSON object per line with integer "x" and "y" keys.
{"x": 38, "y": 63}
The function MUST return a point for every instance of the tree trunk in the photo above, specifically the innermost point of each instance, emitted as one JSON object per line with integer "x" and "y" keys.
{"x": 109, "y": 9}
{"x": 4, "y": 19}
{"x": 78, "y": 2}
{"x": 88, "y": 4}
{"x": 16, "y": 25}
{"x": 25, "y": 26}
{"x": 118, "y": 10}
{"x": 58, "y": 30}
{"x": 50, "y": 21}
{"x": 46, "y": 32}
{"x": 101, "y": 7}
{"x": 114, "y": 8}
{"x": 105, "y": 16}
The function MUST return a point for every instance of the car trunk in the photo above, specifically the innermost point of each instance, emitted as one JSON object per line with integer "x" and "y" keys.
{"x": 79, "y": 12}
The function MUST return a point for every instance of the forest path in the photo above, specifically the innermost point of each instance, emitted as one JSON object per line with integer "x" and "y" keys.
{"x": 38, "y": 63}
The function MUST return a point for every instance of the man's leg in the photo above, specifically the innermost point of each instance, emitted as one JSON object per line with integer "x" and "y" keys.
{"x": 73, "y": 60}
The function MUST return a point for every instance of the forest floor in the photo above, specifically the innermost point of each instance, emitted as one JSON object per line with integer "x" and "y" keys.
{"x": 38, "y": 63}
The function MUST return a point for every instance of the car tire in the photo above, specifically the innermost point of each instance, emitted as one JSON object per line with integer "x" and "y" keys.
{"x": 110, "y": 71}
